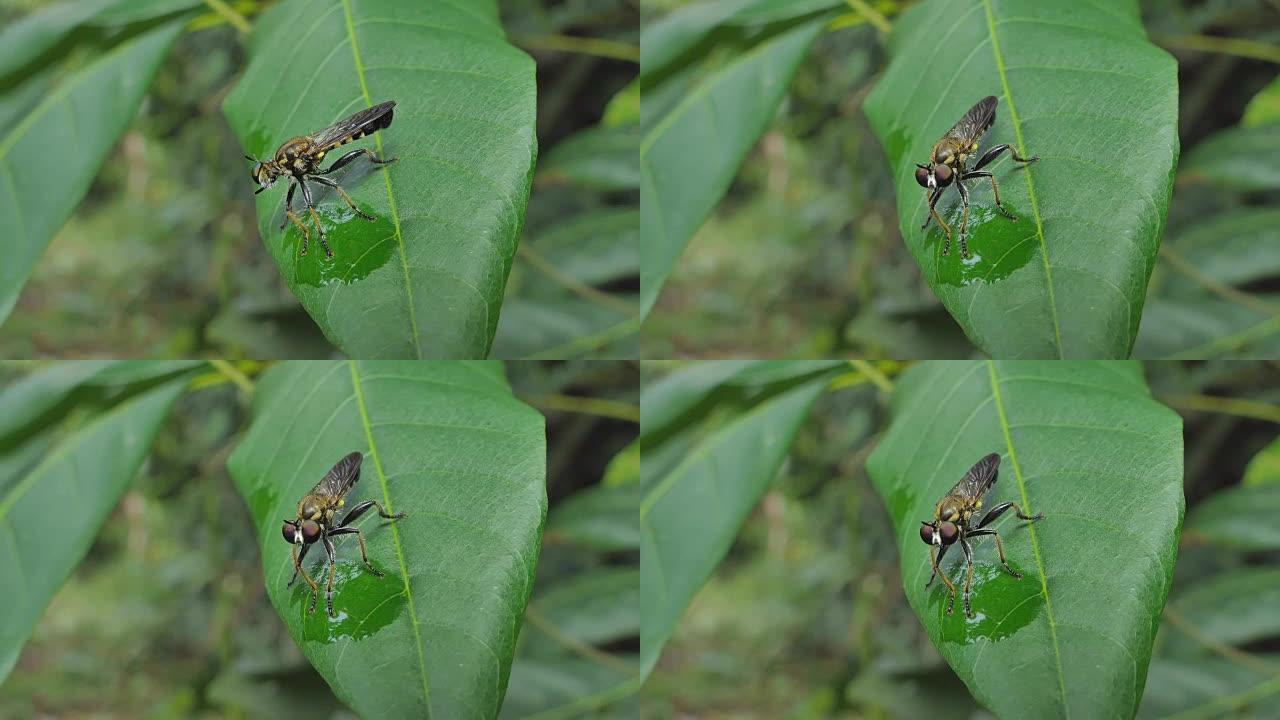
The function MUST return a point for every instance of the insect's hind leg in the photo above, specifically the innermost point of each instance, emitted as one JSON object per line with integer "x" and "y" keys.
{"x": 994, "y": 153}
{"x": 343, "y": 193}
{"x": 363, "y": 507}
{"x": 1000, "y": 509}
{"x": 346, "y": 159}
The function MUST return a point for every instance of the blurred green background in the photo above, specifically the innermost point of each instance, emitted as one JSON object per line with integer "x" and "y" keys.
{"x": 163, "y": 258}
{"x": 803, "y": 258}
{"x": 805, "y": 618}
{"x": 167, "y": 615}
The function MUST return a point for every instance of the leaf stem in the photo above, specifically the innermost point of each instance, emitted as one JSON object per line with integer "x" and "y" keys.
{"x": 596, "y": 47}
{"x": 1228, "y": 406}
{"x": 572, "y": 284}
{"x": 873, "y": 374}
{"x": 1229, "y": 342}
{"x": 600, "y": 407}
{"x": 1188, "y": 628}
{"x": 579, "y": 706}
{"x": 1239, "y": 47}
{"x": 1186, "y": 267}
{"x": 1215, "y": 707}
{"x": 588, "y": 342}
{"x": 237, "y": 20}
{"x": 873, "y": 16}
{"x": 539, "y": 621}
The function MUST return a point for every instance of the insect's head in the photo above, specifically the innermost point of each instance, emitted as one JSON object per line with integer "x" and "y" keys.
{"x": 933, "y": 176}
{"x": 301, "y": 531}
{"x": 939, "y": 533}
{"x": 264, "y": 173}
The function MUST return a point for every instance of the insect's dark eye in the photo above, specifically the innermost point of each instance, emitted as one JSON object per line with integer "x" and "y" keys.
{"x": 288, "y": 530}
{"x": 310, "y": 531}
{"x": 942, "y": 174}
{"x": 922, "y": 176}
{"x": 948, "y": 529}
{"x": 926, "y": 533}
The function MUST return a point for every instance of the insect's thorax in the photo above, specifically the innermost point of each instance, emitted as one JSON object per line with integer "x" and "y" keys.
{"x": 954, "y": 508}
{"x": 953, "y": 152}
{"x": 320, "y": 508}
{"x": 298, "y": 156}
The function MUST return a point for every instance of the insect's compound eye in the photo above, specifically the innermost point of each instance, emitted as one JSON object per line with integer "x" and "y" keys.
{"x": 310, "y": 531}
{"x": 942, "y": 174}
{"x": 922, "y": 175}
{"x": 288, "y": 531}
{"x": 926, "y": 533}
{"x": 949, "y": 532}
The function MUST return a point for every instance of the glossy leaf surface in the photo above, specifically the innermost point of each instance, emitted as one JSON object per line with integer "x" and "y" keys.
{"x": 56, "y": 490}
{"x": 51, "y": 152}
{"x": 689, "y": 517}
{"x": 448, "y": 444}
{"x": 1087, "y": 446}
{"x": 1080, "y": 86}
{"x": 426, "y": 278}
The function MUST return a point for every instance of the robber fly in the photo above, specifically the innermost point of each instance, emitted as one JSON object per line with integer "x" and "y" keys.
{"x": 300, "y": 157}
{"x": 952, "y": 521}
{"x": 315, "y": 521}
{"x": 947, "y": 161}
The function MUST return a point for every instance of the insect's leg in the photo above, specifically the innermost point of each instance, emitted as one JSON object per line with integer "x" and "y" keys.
{"x": 346, "y": 159}
{"x": 968, "y": 583}
{"x": 315, "y": 589}
{"x": 964, "y": 220}
{"x": 288, "y": 203}
{"x": 994, "y": 153}
{"x": 936, "y": 560}
{"x": 333, "y": 561}
{"x": 999, "y": 549}
{"x": 994, "y": 188}
{"x": 298, "y": 565}
{"x": 359, "y": 536}
{"x": 343, "y": 193}
{"x": 311, "y": 207}
{"x": 933, "y": 212}
{"x": 936, "y": 556}
{"x": 362, "y": 508}
{"x": 999, "y": 510}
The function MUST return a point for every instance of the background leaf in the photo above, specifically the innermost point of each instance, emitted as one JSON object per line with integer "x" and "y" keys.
{"x": 49, "y": 156}
{"x": 1229, "y": 159}
{"x": 690, "y": 156}
{"x": 1069, "y": 278}
{"x": 690, "y": 516}
{"x": 426, "y": 279}
{"x": 1085, "y": 444}
{"x": 447, "y": 443}
{"x": 56, "y": 490}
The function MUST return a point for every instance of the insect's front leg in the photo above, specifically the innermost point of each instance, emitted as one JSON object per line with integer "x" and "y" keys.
{"x": 311, "y": 207}
{"x": 999, "y": 549}
{"x": 936, "y": 555}
{"x": 298, "y": 565}
{"x": 360, "y": 537}
{"x": 994, "y": 188}
{"x": 936, "y": 561}
{"x": 288, "y": 203}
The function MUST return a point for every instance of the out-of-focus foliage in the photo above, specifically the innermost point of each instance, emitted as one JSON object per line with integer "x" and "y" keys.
{"x": 805, "y": 617}
{"x": 161, "y": 258}
{"x": 167, "y": 615}
{"x": 802, "y": 257}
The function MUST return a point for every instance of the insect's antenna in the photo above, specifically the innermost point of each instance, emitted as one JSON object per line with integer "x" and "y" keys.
{"x": 922, "y": 167}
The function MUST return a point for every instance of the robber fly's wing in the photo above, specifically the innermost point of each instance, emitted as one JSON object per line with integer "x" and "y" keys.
{"x": 355, "y": 127}
{"x": 976, "y": 122}
{"x": 341, "y": 477}
{"x": 980, "y": 478}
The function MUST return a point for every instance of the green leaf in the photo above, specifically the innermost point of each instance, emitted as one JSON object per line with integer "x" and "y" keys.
{"x": 1264, "y": 108}
{"x": 1068, "y": 279}
{"x": 601, "y": 518}
{"x": 594, "y": 607}
{"x": 1087, "y": 446}
{"x": 1242, "y": 518}
{"x": 689, "y": 158}
{"x": 53, "y": 503}
{"x": 1229, "y": 159}
{"x": 599, "y": 158}
{"x": 594, "y": 247}
{"x": 1264, "y": 468}
{"x": 1206, "y": 326}
{"x": 690, "y": 517}
{"x": 446, "y": 443}
{"x": 426, "y": 278}
{"x": 49, "y": 158}
{"x": 1234, "y": 608}
{"x": 1234, "y": 247}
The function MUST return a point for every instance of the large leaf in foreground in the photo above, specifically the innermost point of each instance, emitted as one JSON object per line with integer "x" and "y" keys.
{"x": 51, "y": 154}
{"x": 689, "y": 518}
{"x": 1080, "y": 86}
{"x": 1083, "y": 443}
{"x": 56, "y": 493}
{"x": 426, "y": 278}
{"x": 446, "y": 443}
